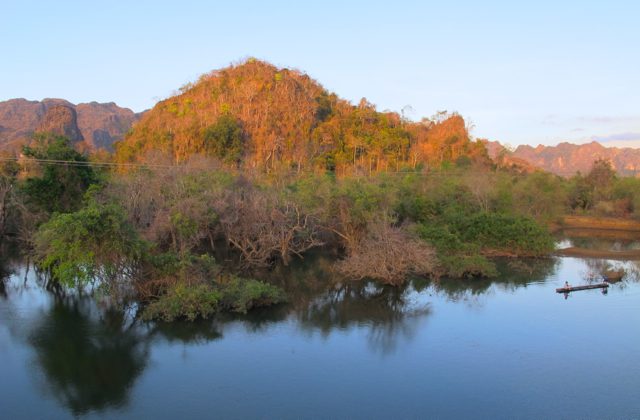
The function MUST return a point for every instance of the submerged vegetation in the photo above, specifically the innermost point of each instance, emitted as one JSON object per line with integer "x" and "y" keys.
{"x": 253, "y": 167}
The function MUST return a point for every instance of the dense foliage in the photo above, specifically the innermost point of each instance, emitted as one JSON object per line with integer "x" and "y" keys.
{"x": 52, "y": 186}
{"x": 95, "y": 243}
{"x": 223, "y": 139}
{"x": 204, "y": 300}
{"x": 445, "y": 222}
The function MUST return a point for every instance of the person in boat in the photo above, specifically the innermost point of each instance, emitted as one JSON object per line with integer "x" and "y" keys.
{"x": 567, "y": 285}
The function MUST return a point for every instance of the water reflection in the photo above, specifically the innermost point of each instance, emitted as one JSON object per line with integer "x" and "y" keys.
{"x": 513, "y": 274}
{"x": 388, "y": 313}
{"x": 90, "y": 358}
{"x": 89, "y": 361}
{"x": 4, "y": 274}
{"x": 600, "y": 239}
{"x": 7, "y": 262}
{"x": 198, "y": 332}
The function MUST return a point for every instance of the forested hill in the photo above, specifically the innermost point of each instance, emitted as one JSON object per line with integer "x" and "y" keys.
{"x": 90, "y": 126}
{"x": 256, "y": 115}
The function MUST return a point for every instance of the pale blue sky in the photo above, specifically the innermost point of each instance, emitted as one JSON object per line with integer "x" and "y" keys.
{"x": 541, "y": 72}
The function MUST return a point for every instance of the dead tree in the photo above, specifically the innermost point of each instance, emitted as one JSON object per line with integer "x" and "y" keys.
{"x": 263, "y": 229}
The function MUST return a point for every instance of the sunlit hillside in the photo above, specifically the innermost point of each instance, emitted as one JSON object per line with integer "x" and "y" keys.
{"x": 259, "y": 116}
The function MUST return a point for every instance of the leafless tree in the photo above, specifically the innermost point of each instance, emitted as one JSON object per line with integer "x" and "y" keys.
{"x": 262, "y": 228}
{"x": 172, "y": 205}
{"x": 481, "y": 184}
{"x": 389, "y": 254}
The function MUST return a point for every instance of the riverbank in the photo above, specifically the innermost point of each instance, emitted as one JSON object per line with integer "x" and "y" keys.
{"x": 603, "y": 223}
{"x": 598, "y": 253}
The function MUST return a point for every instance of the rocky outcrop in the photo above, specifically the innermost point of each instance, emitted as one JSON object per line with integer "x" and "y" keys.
{"x": 97, "y": 126}
{"x": 505, "y": 159}
{"x": 63, "y": 121}
{"x": 104, "y": 124}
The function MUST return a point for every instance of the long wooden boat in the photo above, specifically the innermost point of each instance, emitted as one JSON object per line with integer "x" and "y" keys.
{"x": 584, "y": 287}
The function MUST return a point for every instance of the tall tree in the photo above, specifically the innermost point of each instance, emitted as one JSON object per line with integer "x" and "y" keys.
{"x": 59, "y": 177}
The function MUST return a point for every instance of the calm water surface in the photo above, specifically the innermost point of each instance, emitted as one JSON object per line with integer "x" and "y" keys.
{"x": 508, "y": 348}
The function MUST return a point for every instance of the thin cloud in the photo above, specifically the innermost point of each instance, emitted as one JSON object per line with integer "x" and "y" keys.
{"x": 557, "y": 120}
{"x": 617, "y": 137}
{"x": 551, "y": 119}
{"x": 608, "y": 119}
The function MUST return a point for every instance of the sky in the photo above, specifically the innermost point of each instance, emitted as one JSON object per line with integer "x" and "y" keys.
{"x": 535, "y": 72}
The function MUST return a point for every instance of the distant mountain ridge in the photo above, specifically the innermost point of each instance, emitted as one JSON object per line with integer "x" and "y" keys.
{"x": 566, "y": 159}
{"x": 90, "y": 125}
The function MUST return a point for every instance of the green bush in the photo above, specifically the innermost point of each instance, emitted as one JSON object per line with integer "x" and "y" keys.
{"x": 467, "y": 266}
{"x": 94, "y": 243}
{"x": 442, "y": 238}
{"x": 203, "y": 300}
{"x": 241, "y": 295}
{"x": 57, "y": 188}
{"x": 189, "y": 302}
{"x": 183, "y": 267}
{"x": 462, "y": 239}
{"x": 516, "y": 235}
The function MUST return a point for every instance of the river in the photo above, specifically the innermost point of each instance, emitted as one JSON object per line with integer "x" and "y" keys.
{"x": 504, "y": 348}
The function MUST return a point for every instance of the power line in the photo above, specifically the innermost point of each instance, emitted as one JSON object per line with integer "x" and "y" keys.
{"x": 86, "y": 163}
{"x": 75, "y": 163}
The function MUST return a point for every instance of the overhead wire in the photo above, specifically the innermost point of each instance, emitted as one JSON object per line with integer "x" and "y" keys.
{"x": 103, "y": 164}
{"x": 85, "y": 163}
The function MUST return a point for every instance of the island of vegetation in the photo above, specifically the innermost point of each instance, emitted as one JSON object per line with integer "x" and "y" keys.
{"x": 255, "y": 166}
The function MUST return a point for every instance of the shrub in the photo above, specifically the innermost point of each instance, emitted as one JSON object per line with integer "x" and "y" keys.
{"x": 441, "y": 237}
{"x": 94, "y": 243}
{"x": 57, "y": 187}
{"x": 461, "y": 240}
{"x": 467, "y": 266}
{"x": 190, "y": 302}
{"x": 184, "y": 301}
{"x": 242, "y": 295}
{"x": 515, "y": 235}
{"x": 388, "y": 254}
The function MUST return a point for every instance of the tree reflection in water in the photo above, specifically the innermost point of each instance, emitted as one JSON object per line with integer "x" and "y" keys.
{"x": 197, "y": 332}
{"x": 90, "y": 358}
{"x": 386, "y": 311}
{"x": 90, "y": 361}
{"x": 602, "y": 239}
{"x": 4, "y": 274}
{"x": 633, "y": 273}
{"x": 514, "y": 274}
{"x": 7, "y": 262}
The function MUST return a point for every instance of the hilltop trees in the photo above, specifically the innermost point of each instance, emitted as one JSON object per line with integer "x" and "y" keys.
{"x": 275, "y": 120}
